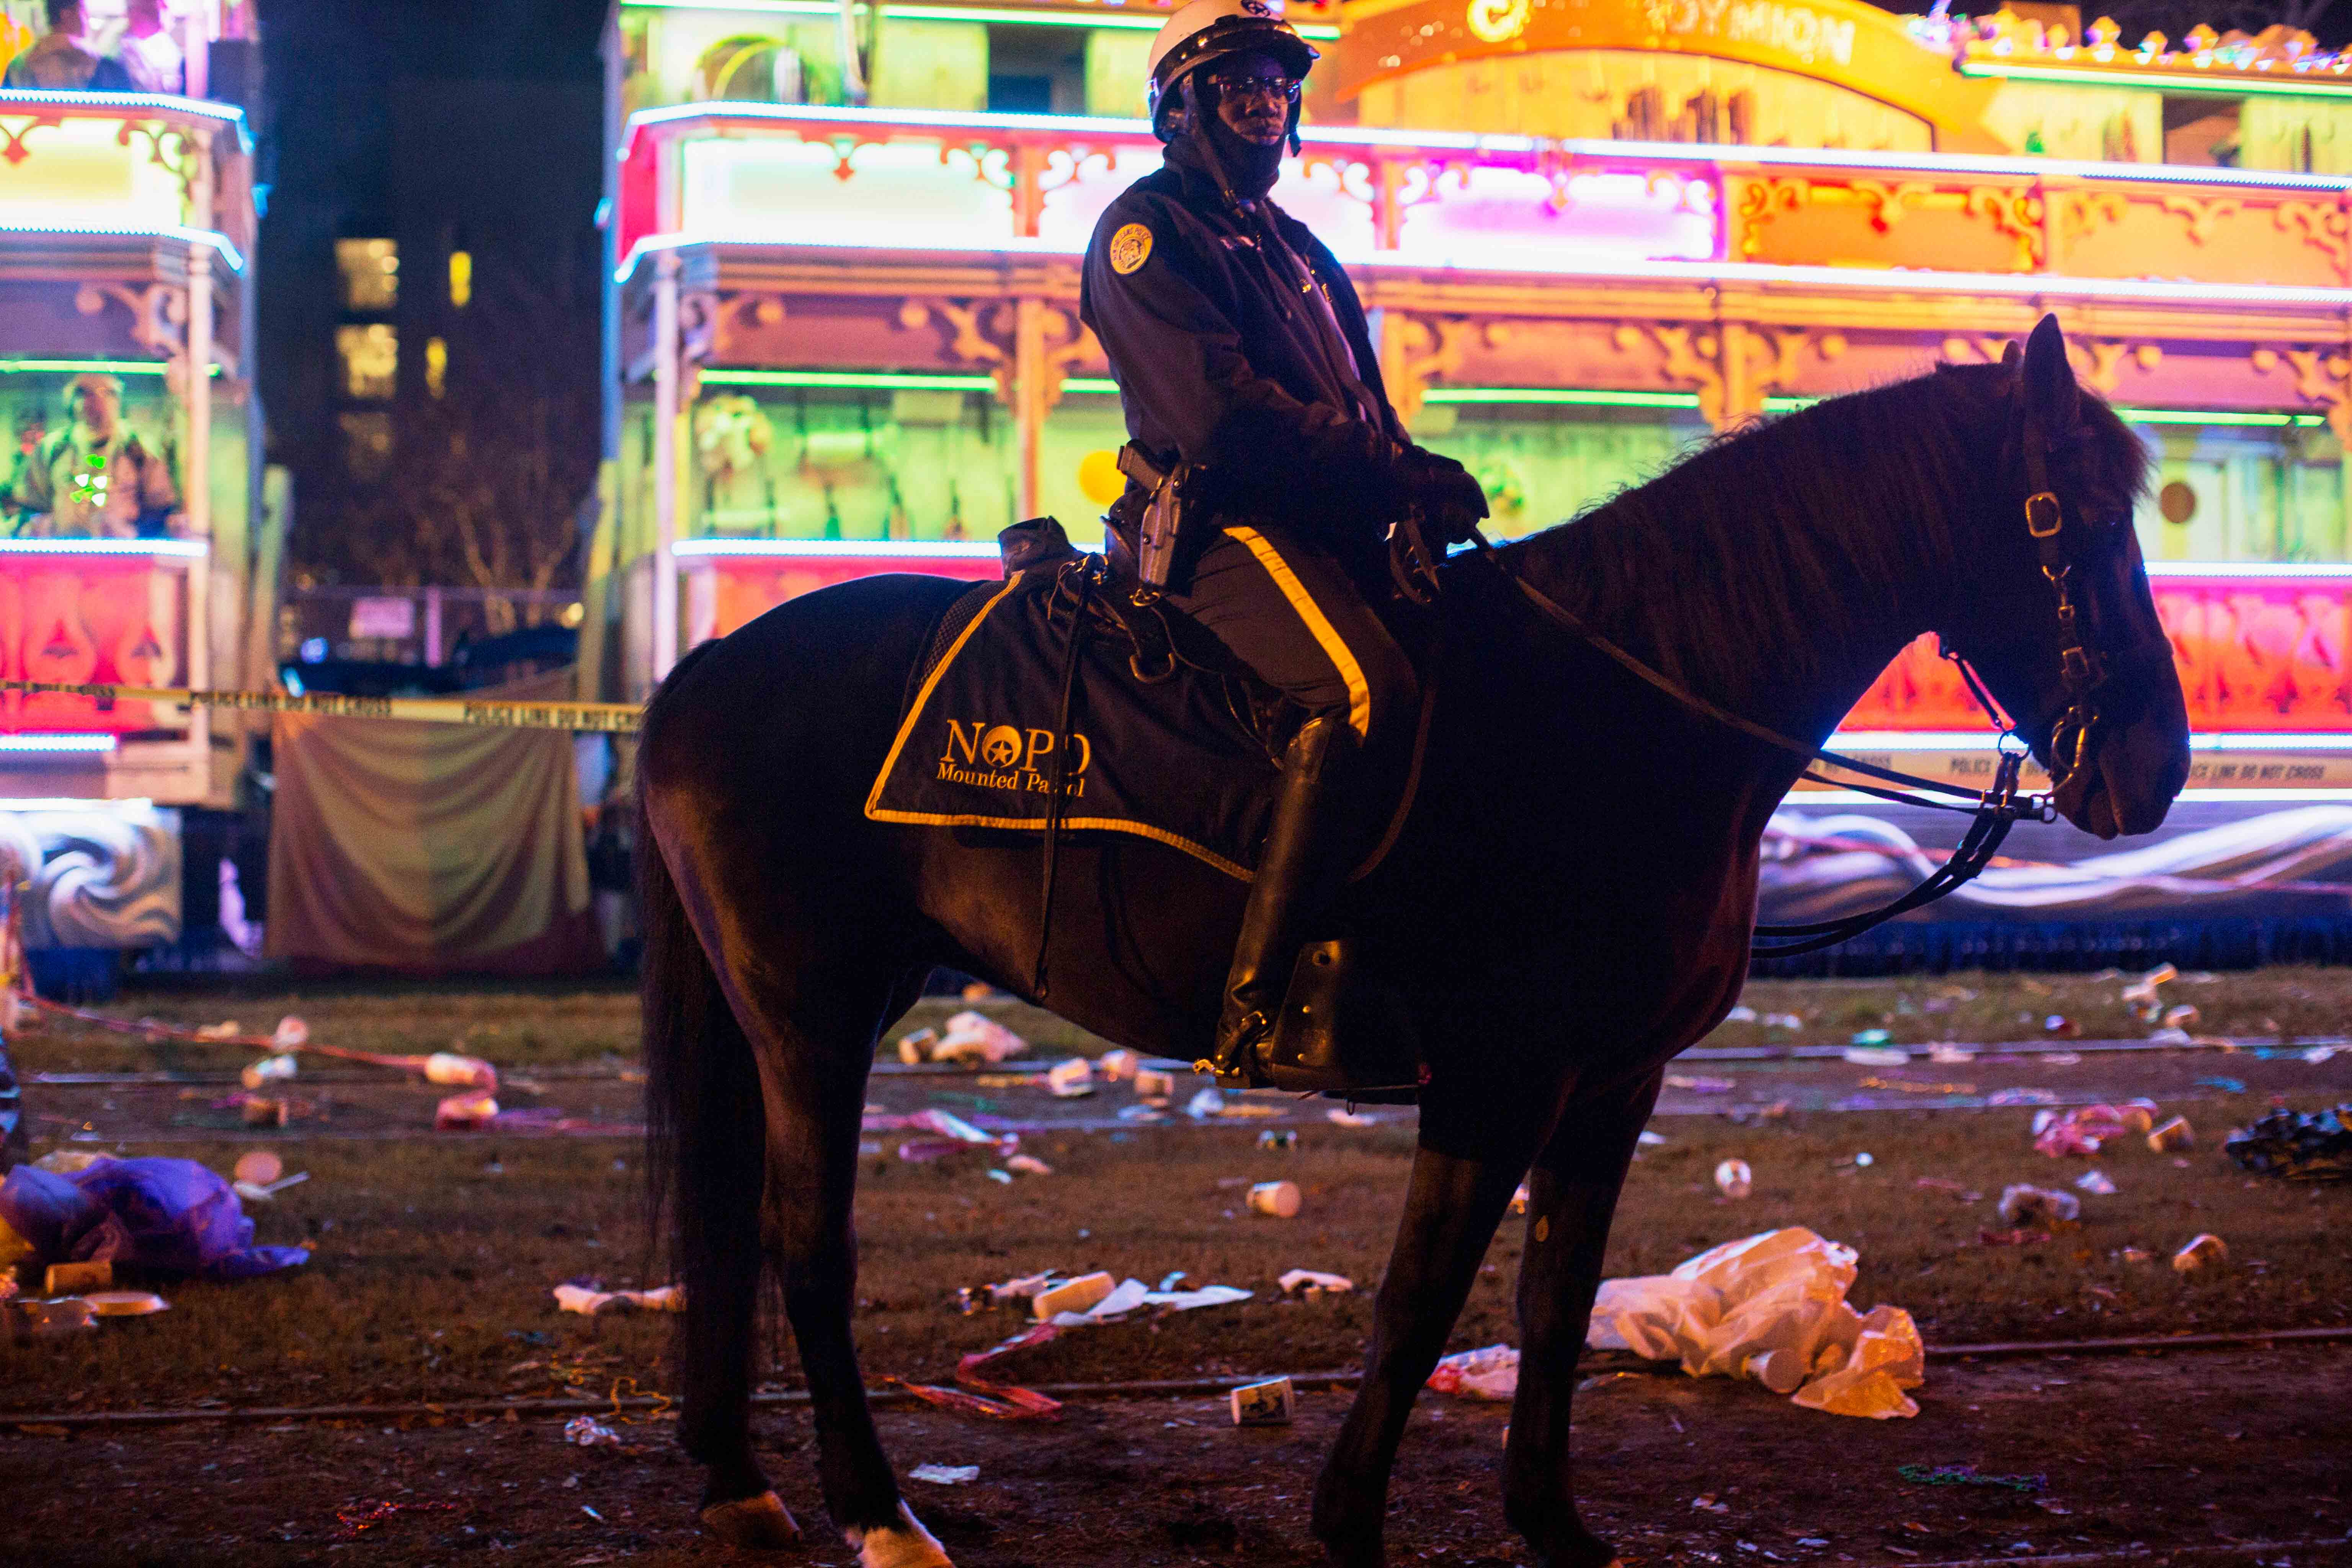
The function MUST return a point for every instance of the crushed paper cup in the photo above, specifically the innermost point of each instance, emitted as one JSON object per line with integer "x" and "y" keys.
{"x": 1079, "y": 1295}
{"x": 2025, "y": 1205}
{"x": 2172, "y": 1136}
{"x": 1733, "y": 1179}
{"x": 945, "y": 1475}
{"x": 461, "y": 1113}
{"x": 1154, "y": 1083}
{"x": 1118, "y": 1064}
{"x": 1028, "y": 1165}
{"x": 975, "y": 1036}
{"x": 590, "y": 1302}
{"x": 2095, "y": 1183}
{"x": 915, "y": 1049}
{"x": 269, "y": 1071}
{"x": 1269, "y": 1404}
{"x": 587, "y": 1432}
{"x": 2203, "y": 1250}
{"x": 260, "y": 1167}
{"x": 1314, "y": 1283}
{"x": 1278, "y": 1200}
{"x": 1071, "y": 1080}
{"x": 448, "y": 1067}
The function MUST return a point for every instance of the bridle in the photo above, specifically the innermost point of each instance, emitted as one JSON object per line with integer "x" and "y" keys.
{"x": 2085, "y": 673}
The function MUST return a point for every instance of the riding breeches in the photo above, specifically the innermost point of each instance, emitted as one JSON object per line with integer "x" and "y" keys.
{"x": 1290, "y": 611}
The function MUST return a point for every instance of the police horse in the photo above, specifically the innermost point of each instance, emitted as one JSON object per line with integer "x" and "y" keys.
{"x": 1584, "y": 848}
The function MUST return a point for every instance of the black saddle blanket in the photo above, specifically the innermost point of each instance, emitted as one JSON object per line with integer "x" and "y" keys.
{"x": 1169, "y": 760}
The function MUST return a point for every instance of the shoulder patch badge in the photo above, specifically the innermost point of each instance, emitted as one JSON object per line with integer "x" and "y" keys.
{"x": 1130, "y": 247}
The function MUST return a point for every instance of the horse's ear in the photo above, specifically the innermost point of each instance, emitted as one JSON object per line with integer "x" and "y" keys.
{"x": 2050, "y": 390}
{"x": 2009, "y": 354}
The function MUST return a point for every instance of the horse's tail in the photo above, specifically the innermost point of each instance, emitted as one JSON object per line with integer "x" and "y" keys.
{"x": 705, "y": 1144}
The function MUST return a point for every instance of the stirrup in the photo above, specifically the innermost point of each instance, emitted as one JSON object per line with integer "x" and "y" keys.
{"x": 1338, "y": 1032}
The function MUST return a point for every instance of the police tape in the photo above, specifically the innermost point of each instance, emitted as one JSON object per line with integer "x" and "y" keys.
{"x": 604, "y": 718}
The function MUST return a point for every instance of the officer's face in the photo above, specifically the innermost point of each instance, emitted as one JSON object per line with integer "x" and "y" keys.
{"x": 1254, "y": 96}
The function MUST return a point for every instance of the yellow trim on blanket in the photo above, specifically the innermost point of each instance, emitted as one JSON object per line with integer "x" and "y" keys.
{"x": 1207, "y": 856}
{"x": 1327, "y": 636}
{"x": 915, "y": 709}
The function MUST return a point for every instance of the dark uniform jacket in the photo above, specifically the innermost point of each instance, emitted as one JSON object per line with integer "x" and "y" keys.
{"x": 1224, "y": 358}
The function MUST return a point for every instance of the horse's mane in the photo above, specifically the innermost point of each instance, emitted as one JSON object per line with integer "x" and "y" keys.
{"x": 1772, "y": 551}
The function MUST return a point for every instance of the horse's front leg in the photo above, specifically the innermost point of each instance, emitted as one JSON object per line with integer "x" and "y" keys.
{"x": 1572, "y": 1196}
{"x": 1472, "y": 1153}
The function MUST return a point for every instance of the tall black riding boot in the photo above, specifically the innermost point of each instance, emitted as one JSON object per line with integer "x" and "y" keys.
{"x": 1294, "y": 882}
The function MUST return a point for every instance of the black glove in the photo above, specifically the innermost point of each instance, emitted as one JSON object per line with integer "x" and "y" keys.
{"x": 1450, "y": 499}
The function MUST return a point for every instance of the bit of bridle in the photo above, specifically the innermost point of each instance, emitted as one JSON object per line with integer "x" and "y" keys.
{"x": 2084, "y": 674}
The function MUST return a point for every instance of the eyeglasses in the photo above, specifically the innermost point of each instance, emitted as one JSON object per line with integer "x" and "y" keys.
{"x": 1244, "y": 88}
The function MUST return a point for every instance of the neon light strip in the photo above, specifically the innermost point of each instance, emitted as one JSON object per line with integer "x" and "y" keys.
{"x": 1319, "y": 31}
{"x": 1701, "y": 274}
{"x": 80, "y": 366}
{"x": 187, "y": 549}
{"x": 2235, "y": 84}
{"x": 60, "y": 744}
{"x": 1565, "y": 397}
{"x": 2204, "y": 417}
{"x": 2194, "y": 794}
{"x": 1100, "y": 386}
{"x": 2248, "y": 569}
{"x": 1983, "y": 741}
{"x": 1684, "y": 154}
{"x": 2323, "y": 742}
{"x": 220, "y": 242}
{"x": 886, "y": 549}
{"x": 2135, "y": 415}
{"x": 863, "y": 381}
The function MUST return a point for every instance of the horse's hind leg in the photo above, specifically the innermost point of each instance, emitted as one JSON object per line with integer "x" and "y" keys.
{"x": 806, "y": 997}
{"x": 814, "y": 1112}
{"x": 1572, "y": 1196}
{"x": 1455, "y": 1199}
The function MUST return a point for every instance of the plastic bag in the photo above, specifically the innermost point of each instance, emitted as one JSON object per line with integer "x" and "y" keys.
{"x": 1492, "y": 1373}
{"x": 1770, "y": 1307}
{"x": 169, "y": 1216}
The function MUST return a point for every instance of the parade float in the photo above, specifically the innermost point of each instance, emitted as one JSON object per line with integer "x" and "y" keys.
{"x": 846, "y": 248}
{"x": 134, "y": 544}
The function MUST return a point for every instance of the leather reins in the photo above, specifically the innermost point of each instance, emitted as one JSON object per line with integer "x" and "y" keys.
{"x": 2083, "y": 673}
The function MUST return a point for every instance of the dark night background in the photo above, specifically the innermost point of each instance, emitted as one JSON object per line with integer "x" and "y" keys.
{"x": 445, "y": 127}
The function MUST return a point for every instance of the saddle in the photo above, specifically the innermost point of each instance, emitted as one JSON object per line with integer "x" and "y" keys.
{"x": 1169, "y": 736}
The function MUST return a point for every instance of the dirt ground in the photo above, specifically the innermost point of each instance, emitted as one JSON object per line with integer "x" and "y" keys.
{"x": 433, "y": 1256}
{"x": 2219, "y": 1457}
{"x": 517, "y": 1025}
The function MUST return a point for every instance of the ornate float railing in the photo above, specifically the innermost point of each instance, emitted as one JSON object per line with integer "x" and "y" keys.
{"x": 911, "y": 180}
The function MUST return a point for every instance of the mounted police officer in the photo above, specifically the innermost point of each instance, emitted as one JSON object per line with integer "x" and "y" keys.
{"x": 1249, "y": 379}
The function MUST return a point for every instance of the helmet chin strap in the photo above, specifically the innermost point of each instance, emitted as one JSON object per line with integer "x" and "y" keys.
{"x": 1197, "y": 114}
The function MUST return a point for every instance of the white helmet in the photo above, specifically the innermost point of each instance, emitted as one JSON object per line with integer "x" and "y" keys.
{"x": 1207, "y": 30}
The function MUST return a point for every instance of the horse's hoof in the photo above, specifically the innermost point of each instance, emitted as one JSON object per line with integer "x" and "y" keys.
{"x": 760, "y": 1523}
{"x": 906, "y": 1544}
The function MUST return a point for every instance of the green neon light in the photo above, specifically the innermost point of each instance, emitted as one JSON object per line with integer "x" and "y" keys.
{"x": 2215, "y": 416}
{"x": 85, "y": 366}
{"x": 1095, "y": 385}
{"x": 1319, "y": 32}
{"x": 1560, "y": 397}
{"x": 850, "y": 381}
{"x": 2231, "y": 85}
